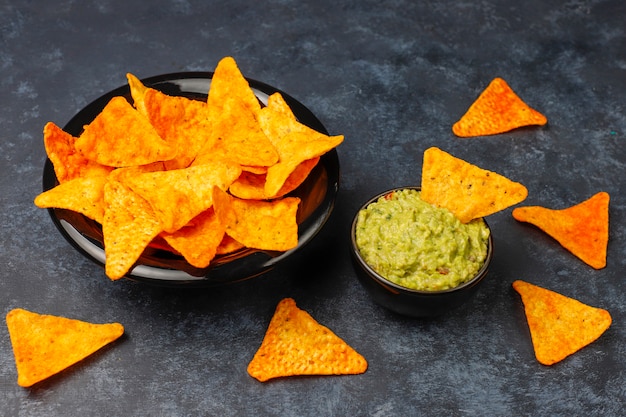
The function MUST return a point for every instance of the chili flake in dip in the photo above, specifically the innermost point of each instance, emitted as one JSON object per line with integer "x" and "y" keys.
{"x": 417, "y": 245}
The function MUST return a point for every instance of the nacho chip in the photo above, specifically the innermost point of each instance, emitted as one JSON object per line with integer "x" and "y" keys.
{"x": 559, "y": 325}
{"x": 67, "y": 162}
{"x": 129, "y": 225}
{"x": 466, "y": 190}
{"x": 497, "y": 110}
{"x": 120, "y": 136}
{"x": 252, "y": 186}
{"x": 228, "y": 245}
{"x": 198, "y": 242}
{"x": 296, "y": 344}
{"x": 44, "y": 345}
{"x": 295, "y": 143}
{"x": 82, "y": 195}
{"x": 177, "y": 196}
{"x": 233, "y": 110}
{"x": 582, "y": 229}
{"x": 266, "y": 225}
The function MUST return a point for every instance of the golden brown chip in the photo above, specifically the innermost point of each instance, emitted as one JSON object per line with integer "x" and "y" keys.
{"x": 295, "y": 143}
{"x": 67, "y": 162}
{"x": 128, "y": 227}
{"x": 44, "y": 345}
{"x": 198, "y": 242}
{"x": 120, "y": 136}
{"x": 296, "y": 344}
{"x": 179, "y": 195}
{"x": 233, "y": 110}
{"x": 582, "y": 229}
{"x": 266, "y": 225}
{"x": 82, "y": 195}
{"x": 497, "y": 110}
{"x": 466, "y": 190}
{"x": 559, "y": 325}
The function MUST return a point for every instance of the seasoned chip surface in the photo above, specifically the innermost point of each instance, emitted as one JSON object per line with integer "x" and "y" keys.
{"x": 559, "y": 325}
{"x": 296, "y": 344}
{"x": 44, "y": 345}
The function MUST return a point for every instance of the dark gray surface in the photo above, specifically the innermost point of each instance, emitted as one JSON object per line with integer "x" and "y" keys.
{"x": 392, "y": 77}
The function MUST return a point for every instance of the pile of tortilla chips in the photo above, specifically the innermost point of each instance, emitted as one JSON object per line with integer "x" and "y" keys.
{"x": 44, "y": 345}
{"x": 206, "y": 177}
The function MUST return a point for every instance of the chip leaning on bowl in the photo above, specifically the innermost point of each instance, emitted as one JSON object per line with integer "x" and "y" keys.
{"x": 418, "y": 245}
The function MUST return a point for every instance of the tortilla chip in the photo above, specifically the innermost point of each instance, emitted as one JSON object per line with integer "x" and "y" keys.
{"x": 233, "y": 110}
{"x": 295, "y": 143}
{"x": 128, "y": 227}
{"x": 252, "y": 186}
{"x": 44, "y": 345}
{"x": 198, "y": 242}
{"x": 120, "y": 136}
{"x": 228, "y": 245}
{"x": 559, "y": 325}
{"x": 177, "y": 196}
{"x": 296, "y": 344}
{"x": 82, "y": 195}
{"x": 266, "y": 225}
{"x": 582, "y": 229}
{"x": 466, "y": 190}
{"x": 67, "y": 162}
{"x": 497, "y": 110}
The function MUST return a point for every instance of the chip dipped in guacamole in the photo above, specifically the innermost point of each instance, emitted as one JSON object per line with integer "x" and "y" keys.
{"x": 417, "y": 245}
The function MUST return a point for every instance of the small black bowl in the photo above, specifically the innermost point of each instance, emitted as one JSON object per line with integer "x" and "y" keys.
{"x": 407, "y": 301}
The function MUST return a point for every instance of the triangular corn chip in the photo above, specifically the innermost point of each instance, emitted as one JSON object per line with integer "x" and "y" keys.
{"x": 128, "y": 227}
{"x": 82, "y": 195}
{"x": 497, "y": 110}
{"x": 466, "y": 190}
{"x": 296, "y": 344}
{"x": 44, "y": 345}
{"x": 121, "y": 136}
{"x": 559, "y": 325}
{"x": 582, "y": 229}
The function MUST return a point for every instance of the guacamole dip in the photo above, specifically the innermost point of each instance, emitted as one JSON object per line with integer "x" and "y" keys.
{"x": 418, "y": 245}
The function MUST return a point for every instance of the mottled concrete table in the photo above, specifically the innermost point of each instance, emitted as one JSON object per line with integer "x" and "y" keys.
{"x": 392, "y": 77}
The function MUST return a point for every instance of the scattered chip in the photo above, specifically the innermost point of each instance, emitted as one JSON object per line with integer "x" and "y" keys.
{"x": 120, "y": 136}
{"x": 82, "y": 195}
{"x": 466, "y": 190}
{"x": 559, "y": 325}
{"x": 582, "y": 229}
{"x": 44, "y": 345}
{"x": 129, "y": 225}
{"x": 266, "y": 225}
{"x": 497, "y": 110}
{"x": 296, "y": 344}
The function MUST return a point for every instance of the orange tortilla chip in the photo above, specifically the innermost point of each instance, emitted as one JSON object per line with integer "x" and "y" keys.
{"x": 294, "y": 141}
{"x": 44, "y": 345}
{"x": 266, "y": 225}
{"x": 228, "y": 245}
{"x": 497, "y": 110}
{"x": 177, "y": 196}
{"x": 128, "y": 227}
{"x": 82, "y": 195}
{"x": 120, "y": 136}
{"x": 198, "y": 242}
{"x": 582, "y": 229}
{"x": 559, "y": 325}
{"x": 296, "y": 344}
{"x": 233, "y": 110}
{"x": 466, "y": 190}
{"x": 68, "y": 163}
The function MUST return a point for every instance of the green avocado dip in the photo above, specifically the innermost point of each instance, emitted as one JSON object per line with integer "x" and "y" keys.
{"x": 417, "y": 245}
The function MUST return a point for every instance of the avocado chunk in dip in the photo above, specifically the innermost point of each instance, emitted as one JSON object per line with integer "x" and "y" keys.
{"x": 417, "y": 245}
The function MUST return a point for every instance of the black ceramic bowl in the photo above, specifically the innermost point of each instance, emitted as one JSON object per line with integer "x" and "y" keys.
{"x": 407, "y": 301}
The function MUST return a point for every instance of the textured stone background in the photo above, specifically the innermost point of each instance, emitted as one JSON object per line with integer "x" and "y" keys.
{"x": 392, "y": 77}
